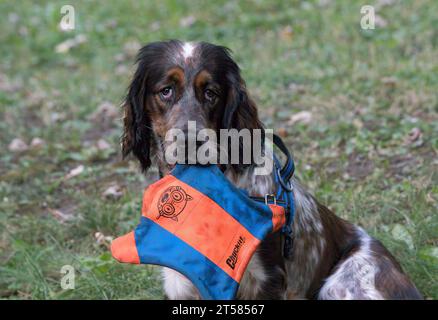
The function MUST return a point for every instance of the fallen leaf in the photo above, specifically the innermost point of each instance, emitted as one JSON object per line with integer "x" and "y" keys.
{"x": 18, "y": 145}
{"x": 35, "y": 98}
{"x": 389, "y": 81}
{"x": 104, "y": 112}
{"x": 75, "y": 172}
{"x": 68, "y": 44}
{"x": 37, "y": 143}
{"x": 282, "y": 132}
{"x": 286, "y": 33}
{"x": 413, "y": 135}
{"x": 61, "y": 216}
{"x": 101, "y": 239}
{"x": 113, "y": 192}
{"x": 430, "y": 198}
{"x": 54, "y": 117}
{"x": 302, "y": 116}
{"x": 358, "y": 123}
{"x": 297, "y": 88}
{"x": 400, "y": 233}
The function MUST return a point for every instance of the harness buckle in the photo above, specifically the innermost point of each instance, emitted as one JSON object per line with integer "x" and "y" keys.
{"x": 272, "y": 196}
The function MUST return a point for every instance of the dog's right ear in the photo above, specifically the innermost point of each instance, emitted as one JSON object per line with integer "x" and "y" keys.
{"x": 137, "y": 133}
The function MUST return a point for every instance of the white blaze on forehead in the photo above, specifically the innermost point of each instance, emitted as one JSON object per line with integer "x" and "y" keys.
{"x": 188, "y": 50}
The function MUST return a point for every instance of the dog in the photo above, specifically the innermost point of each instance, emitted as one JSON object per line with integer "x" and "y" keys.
{"x": 176, "y": 82}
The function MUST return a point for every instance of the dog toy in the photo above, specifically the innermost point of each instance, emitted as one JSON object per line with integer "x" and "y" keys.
{"x": 195, "y": 221}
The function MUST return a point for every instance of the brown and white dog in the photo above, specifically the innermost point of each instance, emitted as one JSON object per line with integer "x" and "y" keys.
{"x": 177, "y": 82}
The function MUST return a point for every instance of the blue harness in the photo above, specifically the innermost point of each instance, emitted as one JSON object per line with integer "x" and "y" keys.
{"x": 284, "y": 196}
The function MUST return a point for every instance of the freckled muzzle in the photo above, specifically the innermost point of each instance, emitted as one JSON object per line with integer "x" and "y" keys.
{"x": 185, "y": 122}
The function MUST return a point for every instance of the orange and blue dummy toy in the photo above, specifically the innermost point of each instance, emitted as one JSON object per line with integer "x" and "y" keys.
{"x": 195, "y": 221}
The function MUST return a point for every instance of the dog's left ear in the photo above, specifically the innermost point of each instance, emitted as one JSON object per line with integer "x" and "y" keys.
{"x": 240, "y": 113}
{"x": 137, "y": 132}
{"x": 240, "y": 110}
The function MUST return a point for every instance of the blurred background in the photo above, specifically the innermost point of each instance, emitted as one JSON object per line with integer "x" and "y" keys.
{"x": 358, "y": 108}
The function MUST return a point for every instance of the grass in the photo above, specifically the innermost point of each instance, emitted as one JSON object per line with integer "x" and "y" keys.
{"x": 370, "y": 152}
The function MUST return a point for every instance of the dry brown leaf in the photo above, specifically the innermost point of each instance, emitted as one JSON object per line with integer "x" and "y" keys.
{"x": 101, "y": 239}
{"x": 358, "y": 123}
{"x": 75, "y": 172}
{"x": 282, "y": 132}
{"x": 68, "y": 44}
{"x": 302, "y": 116}
{"x": 37, "y": 143}
{"x": 60, "y": 215}
{"x": 113, "y": 192}
{"x": 297, "y": 88}
{"x": 104, "y": 112}
{"x": 389, "y": 81}
{"x": 18, "y": 145}
{"x": 286, "y": 33}
{"x": 414, "y": 135}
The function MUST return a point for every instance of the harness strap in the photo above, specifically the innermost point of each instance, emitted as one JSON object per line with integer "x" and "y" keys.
{"x": 288, "y": 169}
{"x": 284, "y": 196}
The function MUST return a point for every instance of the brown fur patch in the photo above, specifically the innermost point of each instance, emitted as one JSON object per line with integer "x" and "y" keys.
{"x": 391, "y": 281}
{"x": 340, "y": 241}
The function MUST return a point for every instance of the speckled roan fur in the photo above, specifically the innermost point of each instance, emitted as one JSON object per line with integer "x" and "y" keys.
{"x": 331, "y": 258}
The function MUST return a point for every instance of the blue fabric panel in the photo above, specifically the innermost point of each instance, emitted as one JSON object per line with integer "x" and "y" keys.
{"x": 155, "y": 245}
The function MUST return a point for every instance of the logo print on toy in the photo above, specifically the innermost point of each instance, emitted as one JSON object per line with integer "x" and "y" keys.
{"x": 172, "y": 202}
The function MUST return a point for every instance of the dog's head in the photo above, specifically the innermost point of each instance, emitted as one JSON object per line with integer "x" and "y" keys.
{"x": 177, "y": 82}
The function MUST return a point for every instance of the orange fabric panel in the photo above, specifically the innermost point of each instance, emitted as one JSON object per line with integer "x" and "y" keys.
{"x": 201, "y": 223}
{"x": 278, "y": 216}
{"x": 124, "y": 249}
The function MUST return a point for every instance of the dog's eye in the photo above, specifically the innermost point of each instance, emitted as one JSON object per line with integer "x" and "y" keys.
{"x": 166, "y": 93}
{"x": 209, "y": 95}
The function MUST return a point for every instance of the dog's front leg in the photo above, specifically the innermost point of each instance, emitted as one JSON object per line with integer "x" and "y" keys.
{"x": 177, "y": 286}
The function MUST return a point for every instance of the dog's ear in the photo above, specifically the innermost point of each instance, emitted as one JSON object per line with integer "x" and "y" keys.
{"x": 137, "y": 133}
{"x": 240, "y": 111}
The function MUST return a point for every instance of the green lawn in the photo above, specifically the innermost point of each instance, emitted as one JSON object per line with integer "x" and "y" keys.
{"x": 370, "y": 151}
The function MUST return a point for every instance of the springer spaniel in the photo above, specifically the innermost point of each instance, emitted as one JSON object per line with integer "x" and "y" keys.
{"x": 177, "y": 82}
